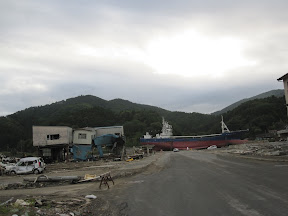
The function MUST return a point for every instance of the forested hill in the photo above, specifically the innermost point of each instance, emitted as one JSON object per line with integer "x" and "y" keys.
{"x": 82, "y": 111}
{"x": 259, "y": 115}
{"x": 276, "y": 93}
{"x": 90, "y": 101}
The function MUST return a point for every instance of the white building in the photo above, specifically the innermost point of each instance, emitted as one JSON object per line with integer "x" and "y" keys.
{"x": 117, "y": 130}
{"x": 44, "y": 136}
{"x": 84, "y": 136}
{"x": 52, "y": 141}
{"x": 284, "y": 133}
{"x": 284, "y": 78}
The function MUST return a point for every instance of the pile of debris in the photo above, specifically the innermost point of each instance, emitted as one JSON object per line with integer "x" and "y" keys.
{"x": 5, "y": 159}
{"x": 47, "y": 206}
{"x": 45, "y": 181}
{"x": 6, "y": 163}
{"x": 259, "y": 149}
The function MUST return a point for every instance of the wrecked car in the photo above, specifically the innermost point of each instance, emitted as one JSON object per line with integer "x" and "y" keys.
{"x": 6, "y": 167}
{"x": 27, "y": 165}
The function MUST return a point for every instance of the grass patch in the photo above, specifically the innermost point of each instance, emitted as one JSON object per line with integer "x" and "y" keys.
{"x": 4, "y": 210}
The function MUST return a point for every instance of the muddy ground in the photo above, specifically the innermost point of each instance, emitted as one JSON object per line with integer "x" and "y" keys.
{"x": 65, "y": 198}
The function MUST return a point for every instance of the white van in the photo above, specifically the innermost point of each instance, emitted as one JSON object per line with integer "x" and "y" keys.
{"x": 34, "y": 165}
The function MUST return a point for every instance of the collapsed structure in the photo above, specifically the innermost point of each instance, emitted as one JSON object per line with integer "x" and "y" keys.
{"x": 55, "y": 143}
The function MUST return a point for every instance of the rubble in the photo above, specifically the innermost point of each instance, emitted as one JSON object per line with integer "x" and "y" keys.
{"x": 277, "y": 151}
{"x": 48, "y": 206}
{"x": 7, "y": 202}
{"x": 78, "y": 200}
{"x": 20, "y": 202}
{"x": 45, "y": 178}
{"x": 75, "y": 172}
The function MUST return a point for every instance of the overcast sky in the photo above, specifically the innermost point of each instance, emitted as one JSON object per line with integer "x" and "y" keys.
{"x": 185, "y": 55}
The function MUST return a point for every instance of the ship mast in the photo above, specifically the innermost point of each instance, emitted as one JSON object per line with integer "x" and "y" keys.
{"x": 224, "y": 127}
{"x": 166, "y": 129}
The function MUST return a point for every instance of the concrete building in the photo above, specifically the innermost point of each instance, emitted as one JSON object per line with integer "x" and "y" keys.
{"x": 116, "y": 130}
{"x": 83, "y": 140}
{"x": 283, "y": 134}
{"x": 52, "y": 141}
{"x": 82, "y": 143}
{"x": 284, "y": 78}
{"x": 84, "y": 136}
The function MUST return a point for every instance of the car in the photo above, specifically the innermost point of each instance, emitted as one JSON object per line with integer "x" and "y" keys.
{"x": 27, "y": 165}
{"x": 175, "y": 150}
{"x": 212, "y": 147}
{"x": 5, "y": 167}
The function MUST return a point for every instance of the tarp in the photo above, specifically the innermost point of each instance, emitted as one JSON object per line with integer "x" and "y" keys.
{"x": 107, "y": 139}
{"x": 82, "y": 152}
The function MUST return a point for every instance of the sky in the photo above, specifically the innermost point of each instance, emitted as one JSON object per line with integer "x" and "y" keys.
{"x": 185, "y": 55}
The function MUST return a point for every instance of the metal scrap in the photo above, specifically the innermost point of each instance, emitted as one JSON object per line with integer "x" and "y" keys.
{"x": 45, "y": 178}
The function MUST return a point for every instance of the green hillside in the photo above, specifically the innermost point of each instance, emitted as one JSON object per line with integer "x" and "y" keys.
{"x": 259, "y": 115}
{"x": 276, "y": 93}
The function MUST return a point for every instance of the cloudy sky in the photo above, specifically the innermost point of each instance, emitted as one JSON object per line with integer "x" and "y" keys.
{"x": 185, "y": 55}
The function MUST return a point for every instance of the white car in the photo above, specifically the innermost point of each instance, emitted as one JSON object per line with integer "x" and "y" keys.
{"x": 175, "y": 150}
{"x": 7, "y": 166}
{"x": 26, "y": 165}
{"x": 212, "y": 147}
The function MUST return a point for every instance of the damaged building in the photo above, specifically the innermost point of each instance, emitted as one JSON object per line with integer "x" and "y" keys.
{"x": 53, "y": 141}
{"x": 86, "y": 139}
{"x": 83, "y": 143}
{"x": 56, "y": 143}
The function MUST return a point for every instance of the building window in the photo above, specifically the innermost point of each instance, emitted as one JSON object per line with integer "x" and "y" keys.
{"x": 81, "y": 136}
{"x": 53, "y": 136}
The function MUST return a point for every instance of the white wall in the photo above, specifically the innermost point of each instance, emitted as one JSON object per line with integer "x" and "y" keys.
{"x": 40, "y": 134}
{"x": 118, "y": 130}
{"x": 285, "y": 81}
{"x": 66, "y": 135}
{"x": 79, "y": 139}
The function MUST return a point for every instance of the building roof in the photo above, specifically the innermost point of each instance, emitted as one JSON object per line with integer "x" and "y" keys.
{"x": 85, "y": 129}
{"x": 51, "y": 126}
{"x": 108, "y": 127}
{"x": 283, "y": 77}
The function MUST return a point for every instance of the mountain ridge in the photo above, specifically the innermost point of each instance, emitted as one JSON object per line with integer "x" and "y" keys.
{"x": 119, "y": 104}
{"x": 275, "y": 92}
{"x": 259, "y": 115}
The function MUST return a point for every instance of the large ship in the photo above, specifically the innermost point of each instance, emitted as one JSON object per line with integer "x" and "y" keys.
{"x": 166, "y": 140}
